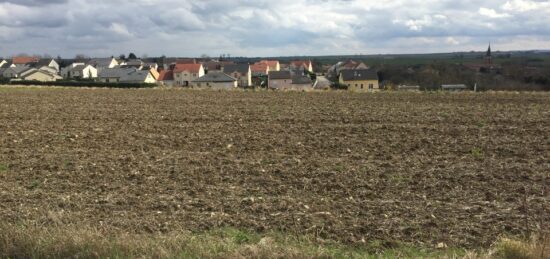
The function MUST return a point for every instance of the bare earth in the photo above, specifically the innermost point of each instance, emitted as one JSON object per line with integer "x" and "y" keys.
{"x": 459, "y": 169}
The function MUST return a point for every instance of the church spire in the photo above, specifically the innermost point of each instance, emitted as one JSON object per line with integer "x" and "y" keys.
{"x": 488, "y": 56}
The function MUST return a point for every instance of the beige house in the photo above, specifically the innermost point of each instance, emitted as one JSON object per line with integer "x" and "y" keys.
{"x": 279, "y": 80}
{"x": 184, "y": 74}
{"x": 216, "y": 80}
{"x": 41, "y": 75}
{"x": 241, "y": 72}
{"x": 305, "y": 64}
{"x": 360, "y": 80}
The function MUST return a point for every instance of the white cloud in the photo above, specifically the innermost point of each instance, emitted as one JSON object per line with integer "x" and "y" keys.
{"x": 491, "y": 13}
{"x": 526, "y": 5}
{"x": 452, "y": 41}
{"x": 120, "y": 29}
{"x": 266, "y": 27}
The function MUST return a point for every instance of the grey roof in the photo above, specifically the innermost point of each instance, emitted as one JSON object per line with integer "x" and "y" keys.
{"x": 241, "y": 68}
{"x": 115, "y": 72}
{"x": 279, "y": 75}
{"x": 138, "y": 76}
{"x": 20, "y": 69}
{"x": 134, "y": 62}
{"x": 44, "y": 62}
{"x": 100, "y": 62}
{"x": 359, "y": 74}
{"x": 79, "y": 68}
{"x": 125, "y": 74}
{"x": 40, "y": 71}
{"x": 301, "y": 80}
{"x": 215, "y": 77}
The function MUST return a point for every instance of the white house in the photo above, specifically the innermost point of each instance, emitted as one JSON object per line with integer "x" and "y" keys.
{"x": 47, "y": 63}
{"x": 102, "y": 63}
{"x": 126, "y": 75}
{"x": 215, "y": 80}
{"x": 184, "y": 74}
{"x": 80, "y": 71}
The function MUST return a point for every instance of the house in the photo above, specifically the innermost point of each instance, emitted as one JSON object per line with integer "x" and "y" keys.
{"x": 359, "y": 79}
{"x": 5, "y": 65}
{"x": 334, "y": 71}
{"x": 153, "y": 71}
{"x": 259, "y": 74}
{"x": 241, "y": 72}
{"x": 40, "y": 75}
{"x": 3, "y": 62}
{"x": 125, "y": 75}
{"x": 79, "y": 71}
{"x": 24, "y": 60}
{"x": 166, "y": 78}
{"x": 16, "y": 71}
{"x": 260, "y": 69}
{"x": 150, "y": 65}
{"x": 102, "y": 63}
{"x": 306, "y": 64}
{"x": 184, "y": 74}
{"x": 216, "y": 80}
{"x": 455, "y": 87}
{"x": 133, "y": 63}
{"x": 47, "y": 64}
{"x": 279, "y": 80}
{"x": 216, "y": 65}
{"x": 273, "y": 65}
{"x": 301, "y": 82}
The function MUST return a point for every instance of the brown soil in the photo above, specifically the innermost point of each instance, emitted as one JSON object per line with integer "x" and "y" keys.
{"x": 459, "y": 169}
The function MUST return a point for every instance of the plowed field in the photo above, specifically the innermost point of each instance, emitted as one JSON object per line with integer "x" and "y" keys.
{"x": 458, "y": 169}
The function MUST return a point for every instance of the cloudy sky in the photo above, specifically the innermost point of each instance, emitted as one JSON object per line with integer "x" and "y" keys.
{"x": 269, "y": 28}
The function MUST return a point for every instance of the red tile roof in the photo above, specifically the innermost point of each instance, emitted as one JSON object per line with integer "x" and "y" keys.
{"x": 24, "y": 60}
{"x": 259, "y": 68}
{"x": 270, "y": 63}
{"x": 193, "y": 68}
{"x": 166, "y": 75}
{"x": 298, "y": 63}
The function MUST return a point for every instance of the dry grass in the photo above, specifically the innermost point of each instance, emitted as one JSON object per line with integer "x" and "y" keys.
{"x": 537, "y": 247}
{"x": 35, "y": 242}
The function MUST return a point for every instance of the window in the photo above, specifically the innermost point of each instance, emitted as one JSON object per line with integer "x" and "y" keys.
{"x": 361, "y": 86}
{"x": 355, "y": 85}
{"x": 371, "y": 86}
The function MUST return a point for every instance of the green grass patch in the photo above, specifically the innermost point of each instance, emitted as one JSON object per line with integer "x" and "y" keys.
{"x": 477, "y": 152}
{"x": 3, "y": 168}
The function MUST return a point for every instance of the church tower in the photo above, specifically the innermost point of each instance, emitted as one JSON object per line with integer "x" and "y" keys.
{"x": 489, "y": 57}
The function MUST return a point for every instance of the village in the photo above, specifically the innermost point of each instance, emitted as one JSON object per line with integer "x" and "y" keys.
{"x": 193, "y": 73}
{"x": 344, "y": 73}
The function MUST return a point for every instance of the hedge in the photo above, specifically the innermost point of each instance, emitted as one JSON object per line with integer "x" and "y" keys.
{"x": 85, "y": 84}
